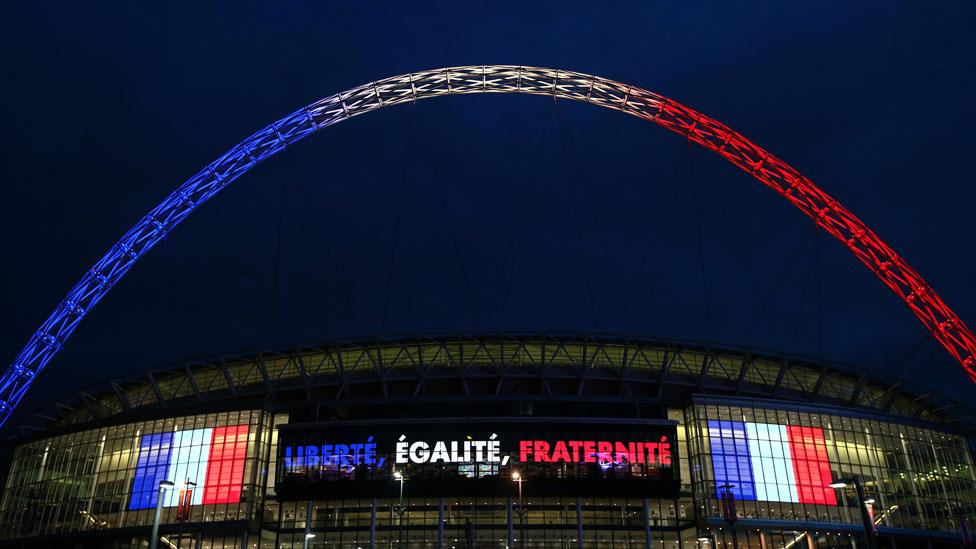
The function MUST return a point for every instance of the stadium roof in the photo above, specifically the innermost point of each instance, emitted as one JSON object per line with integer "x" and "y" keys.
{"x": 486, "y": 366}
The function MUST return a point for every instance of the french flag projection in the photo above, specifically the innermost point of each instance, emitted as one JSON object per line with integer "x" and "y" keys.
{"x": 770, "y": 462}
{"x": 212, "y": 458}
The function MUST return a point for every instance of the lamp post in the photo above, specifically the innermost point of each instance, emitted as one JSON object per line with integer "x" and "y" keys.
{"x": 728, "y": 511}
{"x": 862, "y": 503}
{"x": 517, "y": 477}
{"x": 400, "y": 508}
{"x": 308, "y": 539}
{"x": 163, "y": 486}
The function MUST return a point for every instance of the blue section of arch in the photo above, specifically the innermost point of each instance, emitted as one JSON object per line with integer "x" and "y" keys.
{"x": 50, "y": 337}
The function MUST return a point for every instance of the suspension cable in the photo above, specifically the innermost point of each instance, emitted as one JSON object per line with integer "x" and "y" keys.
{"x": 500, "y": 296}
{"x": 701, "y": 246}
{"x": 779, "y": 281}
{"x": 276, "y": 275}
{"x": 816, "y": 251}
{"x": 396, "y": 219}
{"x": 655, "y": 225}
{"x": 469, "y": 296}
{"x": 320, "y": 230}
{"x": 730, "y": 229}
{"x": 588, "y": 201}
{"x": 802, "y": 302}
{"x": 579, "y": 227}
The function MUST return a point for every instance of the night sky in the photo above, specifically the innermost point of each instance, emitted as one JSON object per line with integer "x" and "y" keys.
{"x": 485, "y": 213}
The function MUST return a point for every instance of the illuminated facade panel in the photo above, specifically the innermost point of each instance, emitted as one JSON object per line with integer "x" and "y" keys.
{"x": 191, "y": 450}
{"x": 811, "y": 465}
{"x": 771, "y": 459}
{"x": 730, "y": 458}
{"x": 152, "y": 468}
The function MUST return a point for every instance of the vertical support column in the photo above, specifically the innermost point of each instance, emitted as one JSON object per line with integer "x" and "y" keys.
{"x": 308, "y": 517}
{"x": 258, "y": 490}
{"x": 762, "y": 539}
{"x": 647, "y": 526}
{"x": 511, "y": 526}
{"x": 440, "y": 524}
{"x": 372, "y": 524}
{"x": 579, "y": 523}
{"x": 810, "y": 543}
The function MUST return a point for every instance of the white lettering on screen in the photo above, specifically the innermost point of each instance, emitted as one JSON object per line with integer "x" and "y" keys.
{"x": 450, "y": 451}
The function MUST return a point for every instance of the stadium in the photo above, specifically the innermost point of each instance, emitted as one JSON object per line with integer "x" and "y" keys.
{"x": 494, "y": 439}
{"x": 531, "y": 440}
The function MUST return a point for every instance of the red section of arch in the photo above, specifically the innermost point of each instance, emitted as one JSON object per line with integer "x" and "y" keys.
{"x": 833, "y": 218}
{"x": 811, "y": 465}
{"x": 225, "y": 468}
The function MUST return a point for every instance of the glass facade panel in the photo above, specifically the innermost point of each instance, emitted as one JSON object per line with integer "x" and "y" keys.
{"x": 777, "y": 461}
{"x": 783, "y": 461}
{"x": 109, "y": 477}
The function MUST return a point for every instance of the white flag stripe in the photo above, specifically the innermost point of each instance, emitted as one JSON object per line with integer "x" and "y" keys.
{"x": 772, "y": 462}
{"x": 191, "y": 453}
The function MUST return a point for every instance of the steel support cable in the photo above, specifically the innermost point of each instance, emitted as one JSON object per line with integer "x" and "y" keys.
{"x": 652, "y": 232}
{"x": 579, "y": 226}
{"x": 801, "y": 304}
{"x": 746, "y": 265}
{"x": 701, "y": 245}
{"x": 320, "y": 231}
{"x": 588, "y": 201}
{"x": 659, "y": 263}
{"x": 465, "y": 280}
{"x": 511, "y": 253}
{"x": 816, "y": 252}
{"x": 772, "y": 293}
{"x": 930, "y": 309}
{"x": 666, "y": 216}
{"x": 276, "y": 272}
{"x": 912, "y": 350}
{"x": 396, "y": 218}
{"x": 870, "y": 330}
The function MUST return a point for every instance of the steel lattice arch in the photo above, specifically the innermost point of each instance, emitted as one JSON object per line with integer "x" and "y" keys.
{"x": 944, "y": 325}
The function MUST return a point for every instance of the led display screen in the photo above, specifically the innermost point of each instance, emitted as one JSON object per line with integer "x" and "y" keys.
{"x": 770, "y": 462}
{"x": 478, "y": 456}
{"x": 212, "y": 459}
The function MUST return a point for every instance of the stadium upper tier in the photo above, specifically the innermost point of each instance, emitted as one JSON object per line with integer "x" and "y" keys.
{"x": 495, "y": 366}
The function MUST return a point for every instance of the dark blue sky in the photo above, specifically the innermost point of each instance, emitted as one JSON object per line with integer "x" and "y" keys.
{"x": 106, "y": 109}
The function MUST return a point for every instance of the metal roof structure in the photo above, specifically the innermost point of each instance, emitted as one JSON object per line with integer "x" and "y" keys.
{"x": 491, "y": 366}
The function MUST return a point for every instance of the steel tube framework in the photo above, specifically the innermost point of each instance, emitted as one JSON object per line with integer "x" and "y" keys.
{"x": 829, "y": 214}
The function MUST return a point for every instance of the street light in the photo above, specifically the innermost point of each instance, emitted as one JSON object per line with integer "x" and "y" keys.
{"x": 862, "y": 502}
{"x": 308, "y": 538}
{"x": 728, "y": 511}
{"x": 163, "y": 486}
{"x": 517, "y": 477}
{"x": 400, "y": 508}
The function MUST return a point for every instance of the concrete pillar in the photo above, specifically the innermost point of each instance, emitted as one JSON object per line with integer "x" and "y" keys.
{"x": 511, "y": 525}
{"x": 440, "y": 524}
{"x": 308, "y": 517}
{"x": 648, "y": 542}
{"x": 372, "y": 525}
{"x": 579, "y": 523}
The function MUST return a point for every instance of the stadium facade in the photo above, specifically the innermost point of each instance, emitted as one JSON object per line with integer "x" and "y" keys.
{"x": 534, "y": 440}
